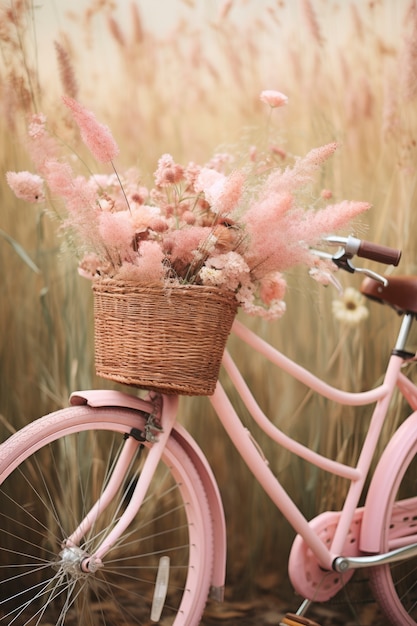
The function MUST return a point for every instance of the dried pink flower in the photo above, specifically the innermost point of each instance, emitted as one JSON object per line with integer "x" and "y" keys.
{"x": 117, "y": 232}
{"x": 211, "y": 183}
{"x": 140, "y": 195}
{"x": 189, "y": 217}
{"x": 26, "y": 186}
{"x": 147, "y": 267}
{"x": 96, "y": 136}
{"x": 247, "y": 298}
{"x": 324, "y": 273}
{"x": 227, "y": 270}
{"x": 191, "y": 173}
{"x": 274, "y": 98}
{"x": 184, "y": 243}
{"x": 145, "y": 216}
{"x": 168, "y": 172}
{"x": 90, "y": 265}
{"x": 272, "y": 287}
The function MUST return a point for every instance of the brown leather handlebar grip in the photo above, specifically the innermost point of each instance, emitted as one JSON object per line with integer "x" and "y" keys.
{"x": 382, "y": 254}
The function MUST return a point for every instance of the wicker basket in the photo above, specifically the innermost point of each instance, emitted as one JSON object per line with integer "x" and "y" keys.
{"x": 169, "y": 340}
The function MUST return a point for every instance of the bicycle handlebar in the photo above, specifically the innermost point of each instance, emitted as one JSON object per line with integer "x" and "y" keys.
{"x": 351, "y": 246}
{"x": 382, "y": 254}
{"x": 367, "y": 250}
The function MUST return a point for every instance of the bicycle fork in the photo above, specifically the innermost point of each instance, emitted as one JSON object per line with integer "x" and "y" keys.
{"x": 155, "y": 432}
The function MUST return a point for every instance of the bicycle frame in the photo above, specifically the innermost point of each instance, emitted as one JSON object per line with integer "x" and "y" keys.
{"x": 242, "y": 439}
{"x": 330, "y": 556}
{"x": 327, "y": 549}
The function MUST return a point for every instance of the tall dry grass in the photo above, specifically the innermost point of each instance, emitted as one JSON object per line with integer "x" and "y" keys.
{"x": 350, "y": 71}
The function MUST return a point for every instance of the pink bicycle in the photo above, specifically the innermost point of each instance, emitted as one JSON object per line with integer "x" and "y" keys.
{"x": 137, "y": 534}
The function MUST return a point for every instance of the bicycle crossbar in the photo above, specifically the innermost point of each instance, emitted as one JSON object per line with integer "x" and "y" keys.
{"x": 347, "y": 398}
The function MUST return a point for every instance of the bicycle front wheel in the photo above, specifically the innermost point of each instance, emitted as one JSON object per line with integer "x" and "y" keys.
{"x": 395, "y": 585}
{"x": 52, "y": 473}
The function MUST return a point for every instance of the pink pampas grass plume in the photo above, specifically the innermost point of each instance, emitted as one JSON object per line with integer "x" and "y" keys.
{"x": 96, "y": 136}
{"x": 26, "y": 186}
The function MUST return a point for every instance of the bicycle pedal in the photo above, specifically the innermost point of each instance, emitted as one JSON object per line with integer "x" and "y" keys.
{"x": 291, "y": 619}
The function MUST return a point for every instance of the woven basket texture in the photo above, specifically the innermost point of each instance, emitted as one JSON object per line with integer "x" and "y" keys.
{"x": 169, "y": 340}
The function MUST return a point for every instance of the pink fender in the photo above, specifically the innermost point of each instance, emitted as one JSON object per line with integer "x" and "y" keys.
{"x": 108, "y": 398}
{"x": 383, "y": 481}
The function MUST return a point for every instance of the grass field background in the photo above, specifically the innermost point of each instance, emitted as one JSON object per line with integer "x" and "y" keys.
{"x": 185, "y": 78}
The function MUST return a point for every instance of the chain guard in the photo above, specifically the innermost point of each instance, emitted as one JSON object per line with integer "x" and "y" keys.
{"x": 306, "y": 575}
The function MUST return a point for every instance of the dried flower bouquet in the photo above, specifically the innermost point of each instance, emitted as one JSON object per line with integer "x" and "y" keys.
{"x": 237, "y": 229}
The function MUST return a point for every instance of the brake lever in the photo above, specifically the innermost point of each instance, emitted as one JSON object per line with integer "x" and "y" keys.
{"x": 343, "y": 261}
{"x": 381, "y": 279}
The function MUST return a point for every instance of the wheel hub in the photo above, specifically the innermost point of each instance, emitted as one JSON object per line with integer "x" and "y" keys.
{"x": 70, "y": 560}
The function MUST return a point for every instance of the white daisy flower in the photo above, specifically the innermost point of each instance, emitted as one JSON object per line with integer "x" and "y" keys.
{"x": 350, "y": 308}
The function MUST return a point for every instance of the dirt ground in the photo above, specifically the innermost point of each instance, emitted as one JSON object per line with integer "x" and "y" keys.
{"x": 353, "y": 606}
{"x": 269, "y": 611}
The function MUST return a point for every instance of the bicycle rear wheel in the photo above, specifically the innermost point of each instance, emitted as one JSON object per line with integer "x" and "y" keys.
{"x": 395, "y": 585}
{"x": 52, "y": 472}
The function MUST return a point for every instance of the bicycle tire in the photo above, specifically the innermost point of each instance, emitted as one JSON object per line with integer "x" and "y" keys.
{"x": 51, "y": 472}
{"x": 394, "y": 585}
